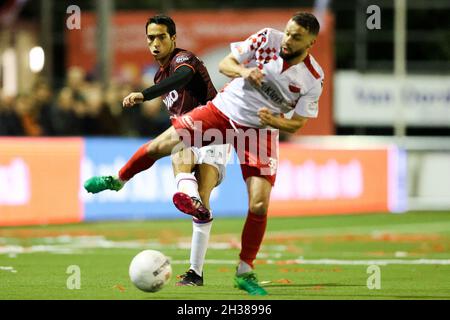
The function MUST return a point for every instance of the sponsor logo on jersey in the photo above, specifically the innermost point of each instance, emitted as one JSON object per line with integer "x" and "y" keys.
{"x": 273, "y": 94}
{"x": 181, "y": 59}
{"x": 170, "y": 99}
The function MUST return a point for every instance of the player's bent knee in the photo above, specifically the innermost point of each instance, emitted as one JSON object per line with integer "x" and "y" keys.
{"x": 259, "y": 207}
{"x": 152, "y": 148}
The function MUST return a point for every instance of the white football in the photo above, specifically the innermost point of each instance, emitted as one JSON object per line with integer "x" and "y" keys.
{"x": 150, "y": 270}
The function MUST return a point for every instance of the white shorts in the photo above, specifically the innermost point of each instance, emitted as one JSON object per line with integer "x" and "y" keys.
{"x": 215, "y": 155}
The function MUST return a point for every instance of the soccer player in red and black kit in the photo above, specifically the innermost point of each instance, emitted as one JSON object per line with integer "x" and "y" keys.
{"x": 183, "y": 83}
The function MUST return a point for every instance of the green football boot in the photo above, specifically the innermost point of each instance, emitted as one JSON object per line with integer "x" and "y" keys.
{"x": 98, "y": 184}
{"x": 248, "y": 282}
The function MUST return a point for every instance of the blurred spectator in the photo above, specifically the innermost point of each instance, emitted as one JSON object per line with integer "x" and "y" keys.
{"x": 63, "y": 117}
{"x": 147, "y": 119}
{"x": 43, "y": 100}
{"x": 113, "y": 102}
{"x": 153, "y": 119}
{"x": 28, "y": 113}
{"x": 129, "y": 116}
{"x": 76, "y": 80}
{"x": 98, "y": 119}
{"x": 10, "y": 123}
{"x": 82, "y": 108}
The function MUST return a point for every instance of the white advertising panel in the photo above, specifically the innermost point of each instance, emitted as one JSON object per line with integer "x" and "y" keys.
{"x": 373, "y": 99}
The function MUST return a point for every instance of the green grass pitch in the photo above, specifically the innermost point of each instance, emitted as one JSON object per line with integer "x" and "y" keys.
{"x": 323, "y": 257}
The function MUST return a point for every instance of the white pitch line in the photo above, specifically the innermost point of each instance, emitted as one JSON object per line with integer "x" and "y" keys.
{"x": 8, "y": 268}
{"x": 77, "y": 244}
{"x": 334, "y": 262}
{"x": 370, "y": 262}
{"x": 427, "y": 228}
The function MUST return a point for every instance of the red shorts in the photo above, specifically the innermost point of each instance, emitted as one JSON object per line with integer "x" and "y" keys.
{"x": 257, "y": 149}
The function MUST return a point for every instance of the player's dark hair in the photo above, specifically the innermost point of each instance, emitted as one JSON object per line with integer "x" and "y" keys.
{"x": 308, "y": 21}
{"x": 165, "y": 20}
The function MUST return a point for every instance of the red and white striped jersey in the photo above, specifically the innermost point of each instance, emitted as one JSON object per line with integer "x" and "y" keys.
{"x": 284, "y": 89}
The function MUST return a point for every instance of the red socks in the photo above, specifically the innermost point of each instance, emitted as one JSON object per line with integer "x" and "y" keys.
{"x": 252, "y": 236}
{"x": 140, "y": 161}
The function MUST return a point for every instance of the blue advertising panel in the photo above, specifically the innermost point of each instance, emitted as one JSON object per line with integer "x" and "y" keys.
{"x": 149, "y": 194}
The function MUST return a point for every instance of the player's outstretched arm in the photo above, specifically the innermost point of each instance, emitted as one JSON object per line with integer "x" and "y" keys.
{"x": 288, "y": 125}
{"x": 177, "y": 80}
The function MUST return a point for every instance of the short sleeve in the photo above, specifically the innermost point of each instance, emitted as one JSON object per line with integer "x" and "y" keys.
{"x": 244, "y": 51}
{"x": 308, "y": 105}
{"x": 184, "y": 59}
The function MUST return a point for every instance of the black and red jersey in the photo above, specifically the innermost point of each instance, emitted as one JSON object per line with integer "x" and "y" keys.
{"x": 197, "y": 92}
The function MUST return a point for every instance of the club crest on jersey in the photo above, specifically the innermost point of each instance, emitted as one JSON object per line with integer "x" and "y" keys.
{"x": 312, "y": 106}
{"x": 181, "y": 59}
{"x": 294, "y": 88}
{"x": 170, "y": 99}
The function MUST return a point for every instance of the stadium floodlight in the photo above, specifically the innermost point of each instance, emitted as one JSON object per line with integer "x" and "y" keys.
{"x": 9, "y": 74}
{"x": 36, "y": 59}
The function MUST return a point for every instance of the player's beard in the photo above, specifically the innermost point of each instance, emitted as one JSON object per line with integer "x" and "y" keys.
{"x": 290, "y": 56}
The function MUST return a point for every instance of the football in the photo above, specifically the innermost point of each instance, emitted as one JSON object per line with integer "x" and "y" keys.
{"x": 150, "y": 270}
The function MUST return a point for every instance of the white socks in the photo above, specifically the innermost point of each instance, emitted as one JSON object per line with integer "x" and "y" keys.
{"x": 199, "y": 245}
{"x": 187, "y": 183}
{"x": 243, "y": 267}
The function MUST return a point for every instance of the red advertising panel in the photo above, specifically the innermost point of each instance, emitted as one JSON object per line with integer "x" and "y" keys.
{"x": 315, "y": 181}
{"x": 40, "y": 181}
{"x": 207, "y": 33}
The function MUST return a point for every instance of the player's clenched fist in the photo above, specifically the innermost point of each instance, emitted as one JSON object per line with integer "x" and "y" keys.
{"x": 254, "y": 75}
{"x": 132, "y": 99}
{"x": 265, "y": 116}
